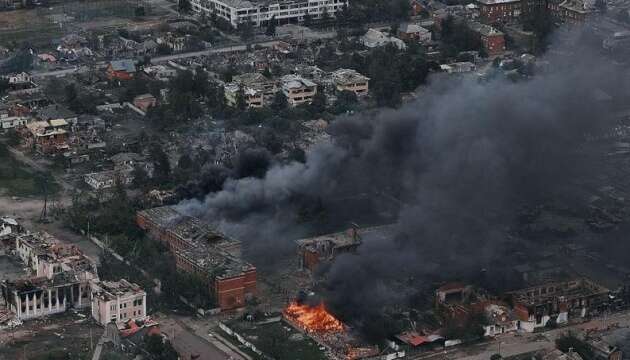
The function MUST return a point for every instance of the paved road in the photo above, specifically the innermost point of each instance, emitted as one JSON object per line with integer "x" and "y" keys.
{"x": 510, "y": 344}
{"x": 187, "y": 343}
{"x": 155, "y": 60}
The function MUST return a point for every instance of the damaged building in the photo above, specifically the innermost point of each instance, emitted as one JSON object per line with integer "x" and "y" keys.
{"x": 313, "y": 251}
{"x": 201, "y": 250}
{"x": 118, "y": 302}
{"x": 60, "y": 280}
{"x": 559, "y": 299}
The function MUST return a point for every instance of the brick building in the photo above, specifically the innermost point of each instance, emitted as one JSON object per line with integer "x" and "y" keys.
{"x": 493, "y": 11}
{"x": 492, "y": 40}
{"x": 201, "y": 250}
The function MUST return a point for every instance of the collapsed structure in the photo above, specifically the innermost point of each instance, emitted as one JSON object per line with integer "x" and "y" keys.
{"x": 558, "y": 299}
{"x": 203, "y": 251}
{"x": 60, "y": 278}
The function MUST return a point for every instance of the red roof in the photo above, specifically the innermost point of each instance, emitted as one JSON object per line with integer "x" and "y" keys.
{"x": 412, "y": 338}
{"x": 451, "y": 286}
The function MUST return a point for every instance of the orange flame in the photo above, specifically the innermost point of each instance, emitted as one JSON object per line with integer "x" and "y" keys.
{"x": 313, "y": 318}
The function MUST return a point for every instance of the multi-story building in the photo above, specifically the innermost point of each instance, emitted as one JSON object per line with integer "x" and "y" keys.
{"x": 351, "y": 80}
{"x": 559, "y": 299}
{"x": 118, "y": 302}
{"x": 259, "y": 12}
{"x": 252, "y": 97}
{"x": 202, "y": 251}
{"x": 298, "y": 90}
{"x": 257, "y": 81}
{"x": 231, "y": 280}
{"x": 61, "y": 276}
{"x": 492, "y": 40}
{"x": 41, "y": 296}
{"x": 492, "y": 11}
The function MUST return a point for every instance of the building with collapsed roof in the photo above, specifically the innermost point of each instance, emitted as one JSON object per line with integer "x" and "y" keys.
{"x": 298, "y": 90}
{"x": 118, "y": 302}
{"x": 313, "y": 251}
{"x": 251, "y": 97}
{"x": 201, "y": 250}
{"x": 61, "y": 278}
{"x": 46, "y": 136}
{"x": 559, "y": 299}
{"x": 42, "y": 296}
{"x": 351, "y": 80}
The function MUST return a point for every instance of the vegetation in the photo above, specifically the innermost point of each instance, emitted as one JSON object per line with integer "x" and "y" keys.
{"x": 458, "y": 37}
{"x": 571, "y": 341}
{"x": 159, "y": 348}
{"x": 19, "y": 180}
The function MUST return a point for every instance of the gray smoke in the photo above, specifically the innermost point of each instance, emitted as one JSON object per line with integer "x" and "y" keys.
{"x": 461, "y": 160}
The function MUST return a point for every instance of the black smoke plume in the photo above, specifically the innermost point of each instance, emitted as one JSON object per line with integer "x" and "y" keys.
{"x": 460, "y": 161}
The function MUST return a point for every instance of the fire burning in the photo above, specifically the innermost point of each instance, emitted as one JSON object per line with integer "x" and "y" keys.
{"x": 313, "y": 318}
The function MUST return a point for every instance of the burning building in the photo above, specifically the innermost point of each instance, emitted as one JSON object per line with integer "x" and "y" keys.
{"x": 201, "y": 250}
{"x": 312, "y": 318}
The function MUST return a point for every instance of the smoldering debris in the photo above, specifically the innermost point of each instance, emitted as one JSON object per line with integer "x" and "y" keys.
{"x": 461, "y": 161}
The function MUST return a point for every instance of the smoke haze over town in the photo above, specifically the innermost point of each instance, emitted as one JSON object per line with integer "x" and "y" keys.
{"x": 460, "y": 160}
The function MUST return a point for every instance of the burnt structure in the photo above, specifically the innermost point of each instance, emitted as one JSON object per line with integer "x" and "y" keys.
{"x": 558, "y": 300}
{"x": 201, "y": 250}
{"x": 314, "y": 250}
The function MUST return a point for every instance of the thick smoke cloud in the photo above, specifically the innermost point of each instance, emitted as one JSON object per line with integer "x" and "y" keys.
{"x": 461, "y": 160}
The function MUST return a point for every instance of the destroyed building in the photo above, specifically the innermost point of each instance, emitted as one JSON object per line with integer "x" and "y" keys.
{"x": 60, "y": 280}
{"x": 313, "y": 251}
{"x": 558, "y": 299}
{"x": 201, "y": 250}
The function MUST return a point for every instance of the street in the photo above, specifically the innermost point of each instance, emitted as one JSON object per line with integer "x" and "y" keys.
{"x": 512, "y": 344}
{"x": 189, "y": 342}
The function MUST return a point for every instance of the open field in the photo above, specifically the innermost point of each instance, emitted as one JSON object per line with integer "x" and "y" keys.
{"x": 40, "y": 26}
{"x": 278, "y": 339}
{"x": 18, "y": 180}
{"x": 67, "y": 333}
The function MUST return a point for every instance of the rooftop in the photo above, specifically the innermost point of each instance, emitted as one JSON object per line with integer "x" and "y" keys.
{"x": 296, "y": 82}
{"x": 348, "y": 76}
{"x": 109, "y": 290}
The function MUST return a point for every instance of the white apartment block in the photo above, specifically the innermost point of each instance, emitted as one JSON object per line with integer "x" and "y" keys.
{"x": 118, "y": 302}
{"x": 259, "y": 12}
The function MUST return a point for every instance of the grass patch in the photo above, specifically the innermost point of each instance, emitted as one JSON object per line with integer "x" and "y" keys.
{"x": 278, "y": 340}
{"x": 18, "y": 180}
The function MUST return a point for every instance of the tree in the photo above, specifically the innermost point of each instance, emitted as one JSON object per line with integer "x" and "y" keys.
{"x": 184, "y": 6}
{"x": 279, "y": 102}
{"x": 318, "y": 105}
{"x": 247, "y": 30}
{"x": 4, "y": 85}
{"x": 571, "y": 341}
{"x": 271, "y": 27}
{"x": 161, "y": 164}
{"x": 140, "y": 177}
{"x": 241, "y": 102}
{"x": 308, "y": 19}
{"x": 13, "y": 138}
{"x": 346, "y": 101}
{"x": 139, "y": 11}
{"x": 385, "y": 80}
